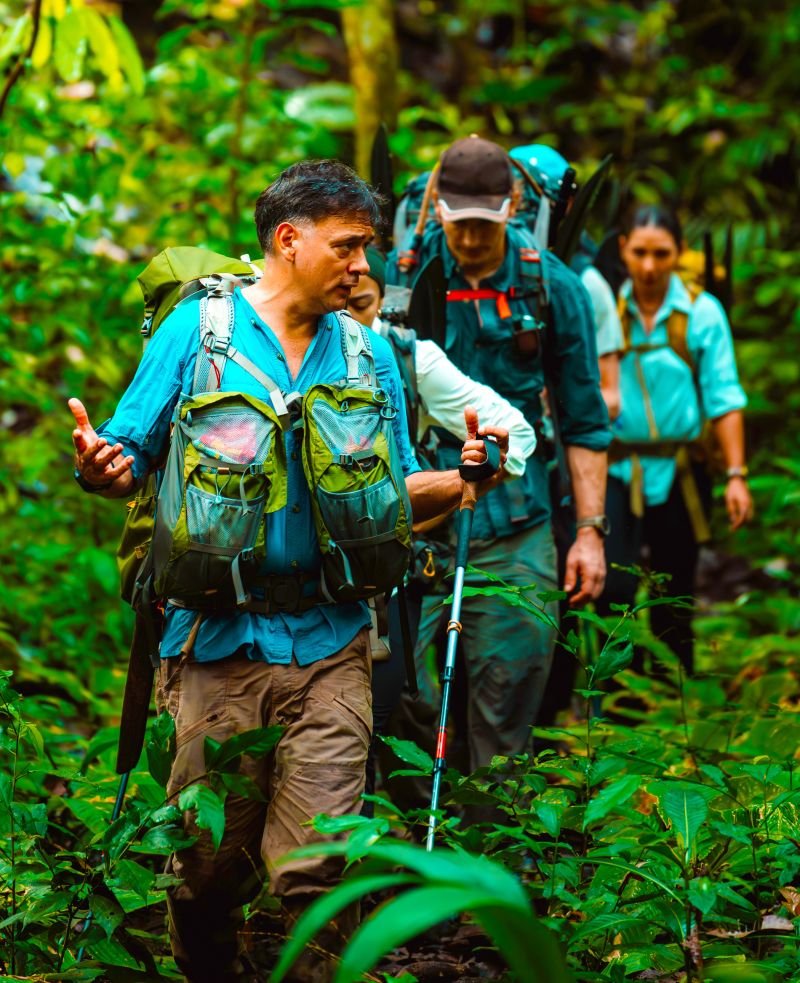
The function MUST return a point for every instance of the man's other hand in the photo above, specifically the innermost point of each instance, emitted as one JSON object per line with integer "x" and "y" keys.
{"x": 100, "y": 465}
{"x": 586, "y": 564}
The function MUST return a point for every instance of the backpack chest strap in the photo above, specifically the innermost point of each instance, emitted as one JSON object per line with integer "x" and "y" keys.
{"x": 530, "y": 267}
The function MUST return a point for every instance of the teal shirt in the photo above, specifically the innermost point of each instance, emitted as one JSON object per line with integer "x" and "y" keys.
{"x": 480, "y": 343}
{"x": 141, "y": 424}
{"x": 681, "y": 400}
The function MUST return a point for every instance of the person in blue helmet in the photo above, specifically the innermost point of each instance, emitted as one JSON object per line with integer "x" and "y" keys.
{"x": 548, "y": 168}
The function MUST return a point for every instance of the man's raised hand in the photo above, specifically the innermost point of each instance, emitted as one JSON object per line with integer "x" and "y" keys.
{"x": 100, "y": 465}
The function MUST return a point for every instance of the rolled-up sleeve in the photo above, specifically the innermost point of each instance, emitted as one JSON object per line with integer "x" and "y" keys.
{"x": 717, "y": 376}
{"x": 142, "y": 418}
{"x": 571, "y": 367}
{"x": 445, "y": 391}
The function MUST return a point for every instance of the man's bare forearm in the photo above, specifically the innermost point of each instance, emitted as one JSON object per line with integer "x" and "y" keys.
{"x": 434, "y": 493}
{"x": 588, "y": 470}
{"x": 729, "y": 432}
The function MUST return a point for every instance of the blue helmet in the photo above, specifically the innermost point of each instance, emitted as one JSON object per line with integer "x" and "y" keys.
{"x": 545, "y": 165}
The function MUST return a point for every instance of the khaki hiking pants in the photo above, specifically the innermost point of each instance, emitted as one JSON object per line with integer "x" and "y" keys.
{"x": 318, "y": 766}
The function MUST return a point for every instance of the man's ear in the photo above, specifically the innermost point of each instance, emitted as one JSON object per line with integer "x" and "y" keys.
{"x": 622, "y": 241}
{"x": 285, "y": 239}
{"x": 516, "y": 198}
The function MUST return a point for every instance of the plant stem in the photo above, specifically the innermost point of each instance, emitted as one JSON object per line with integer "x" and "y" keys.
{"x": 63, "y": 951}
{"x": 19, "y": 66}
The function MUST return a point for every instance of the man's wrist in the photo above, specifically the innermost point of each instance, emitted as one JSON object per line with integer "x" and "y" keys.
{"x": 87, "y": 486}
{"x": 737, "y": 471}
{"x": 598, "y": 524}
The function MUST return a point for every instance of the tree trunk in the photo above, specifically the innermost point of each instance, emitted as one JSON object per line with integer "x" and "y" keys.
{"x": 369, "y": 33}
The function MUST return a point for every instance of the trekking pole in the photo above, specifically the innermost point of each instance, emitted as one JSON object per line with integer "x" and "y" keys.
{"x": 475, "y": 473}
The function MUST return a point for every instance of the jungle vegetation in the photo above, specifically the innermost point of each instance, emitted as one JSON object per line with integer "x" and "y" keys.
{"x": 660, "y": 847}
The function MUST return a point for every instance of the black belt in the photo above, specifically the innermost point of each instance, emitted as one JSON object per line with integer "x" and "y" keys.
{"x": 283, "y": 594}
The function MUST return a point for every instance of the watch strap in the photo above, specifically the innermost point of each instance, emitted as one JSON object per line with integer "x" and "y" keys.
{"x": 598, "y": 522}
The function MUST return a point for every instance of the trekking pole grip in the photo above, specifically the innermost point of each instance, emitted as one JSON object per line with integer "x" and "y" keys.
{"x": 472, "y": 473}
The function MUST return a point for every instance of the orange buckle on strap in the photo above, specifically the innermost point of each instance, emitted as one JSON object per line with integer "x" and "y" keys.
{"x": 407, "y": 261}
{"x": 529, "y": 255}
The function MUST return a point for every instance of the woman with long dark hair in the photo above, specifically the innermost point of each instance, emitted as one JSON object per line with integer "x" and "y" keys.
{"x": 678, "y": 379}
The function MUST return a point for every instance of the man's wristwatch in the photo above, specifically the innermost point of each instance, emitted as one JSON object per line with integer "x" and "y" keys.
{"x": 738, "y": 472}
{"x": 598, "y": 522}
{"x": 92, "y": 489}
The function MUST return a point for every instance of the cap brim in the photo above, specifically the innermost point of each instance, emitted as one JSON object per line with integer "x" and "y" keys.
{"x": 491, "y": 208}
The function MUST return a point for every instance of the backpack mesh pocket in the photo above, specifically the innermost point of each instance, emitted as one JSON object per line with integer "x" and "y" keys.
{"x": 347, "y": 432}
{"x": 237, "y": 436}
{"x": 222, "y": 523}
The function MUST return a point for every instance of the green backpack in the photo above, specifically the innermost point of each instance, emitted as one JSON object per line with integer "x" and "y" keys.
{"x": 226, "y": 471}
{"x": 172, "y": 276}
{"x": 360, "y": 505}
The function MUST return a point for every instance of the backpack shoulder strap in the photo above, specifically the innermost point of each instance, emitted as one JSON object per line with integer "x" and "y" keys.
{"x": 625, "y": 321}
{"x": 216, "y": 330}
{"x": 357, "y": 351}
{"x": 678, "y": 328}
{"x": 216, "y": 333}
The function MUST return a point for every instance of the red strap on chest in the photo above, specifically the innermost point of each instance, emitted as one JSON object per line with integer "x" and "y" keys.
{"x": 485, "y": 293}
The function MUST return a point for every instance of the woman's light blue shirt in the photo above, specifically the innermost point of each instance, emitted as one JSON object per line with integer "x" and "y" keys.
{"x": 681, "y": 400}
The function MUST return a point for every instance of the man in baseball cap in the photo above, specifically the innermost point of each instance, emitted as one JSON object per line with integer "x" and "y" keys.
{"x": 475, "y": 181}
{"x": 509, "y": 303}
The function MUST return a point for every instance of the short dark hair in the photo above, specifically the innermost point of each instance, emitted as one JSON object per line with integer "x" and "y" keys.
{"x": 313, "y": 190}
{"x": 655, "y": 216}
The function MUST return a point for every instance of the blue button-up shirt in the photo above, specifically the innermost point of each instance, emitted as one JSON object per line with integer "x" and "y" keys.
{"x": 681, "y": 399}
{"x": 479, "y": 341}
{"x": 141, "y": 424}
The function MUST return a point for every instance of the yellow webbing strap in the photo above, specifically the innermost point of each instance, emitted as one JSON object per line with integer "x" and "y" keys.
{"x": 691, "y": 496}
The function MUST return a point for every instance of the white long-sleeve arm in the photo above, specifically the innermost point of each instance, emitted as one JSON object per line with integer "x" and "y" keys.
{"x": 444, "y": 392}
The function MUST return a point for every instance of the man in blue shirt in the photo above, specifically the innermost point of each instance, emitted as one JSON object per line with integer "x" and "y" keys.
{"x": 306, "y": 669}
{"x": 495, "y": 276}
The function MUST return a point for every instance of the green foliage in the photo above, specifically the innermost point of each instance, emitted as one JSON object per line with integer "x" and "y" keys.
{"x": 655, "y": 842}
{"x": 436, "y": 886}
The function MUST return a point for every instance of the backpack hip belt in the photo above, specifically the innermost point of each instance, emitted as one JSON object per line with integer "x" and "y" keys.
{"x": 681, "y": 452}
{"x": 283, "y": 594}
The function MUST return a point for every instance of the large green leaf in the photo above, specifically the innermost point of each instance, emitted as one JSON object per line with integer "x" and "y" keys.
{"x": 610, "y": 798}
{"x": 209, "y": 810}
{"x": 130, "y": 59}
{"x": 256, "y": 742}
{"x": 522, "y": 941}
{"x": 685, "y": 810}
{"x": 530, "y": 950}
{"x": 410, "y": 752}
{"x": 326, "y": 908}
{"x": 614, "y": 656}
{"x": 71, "y": 45}
{"x": 160, "y": 748}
